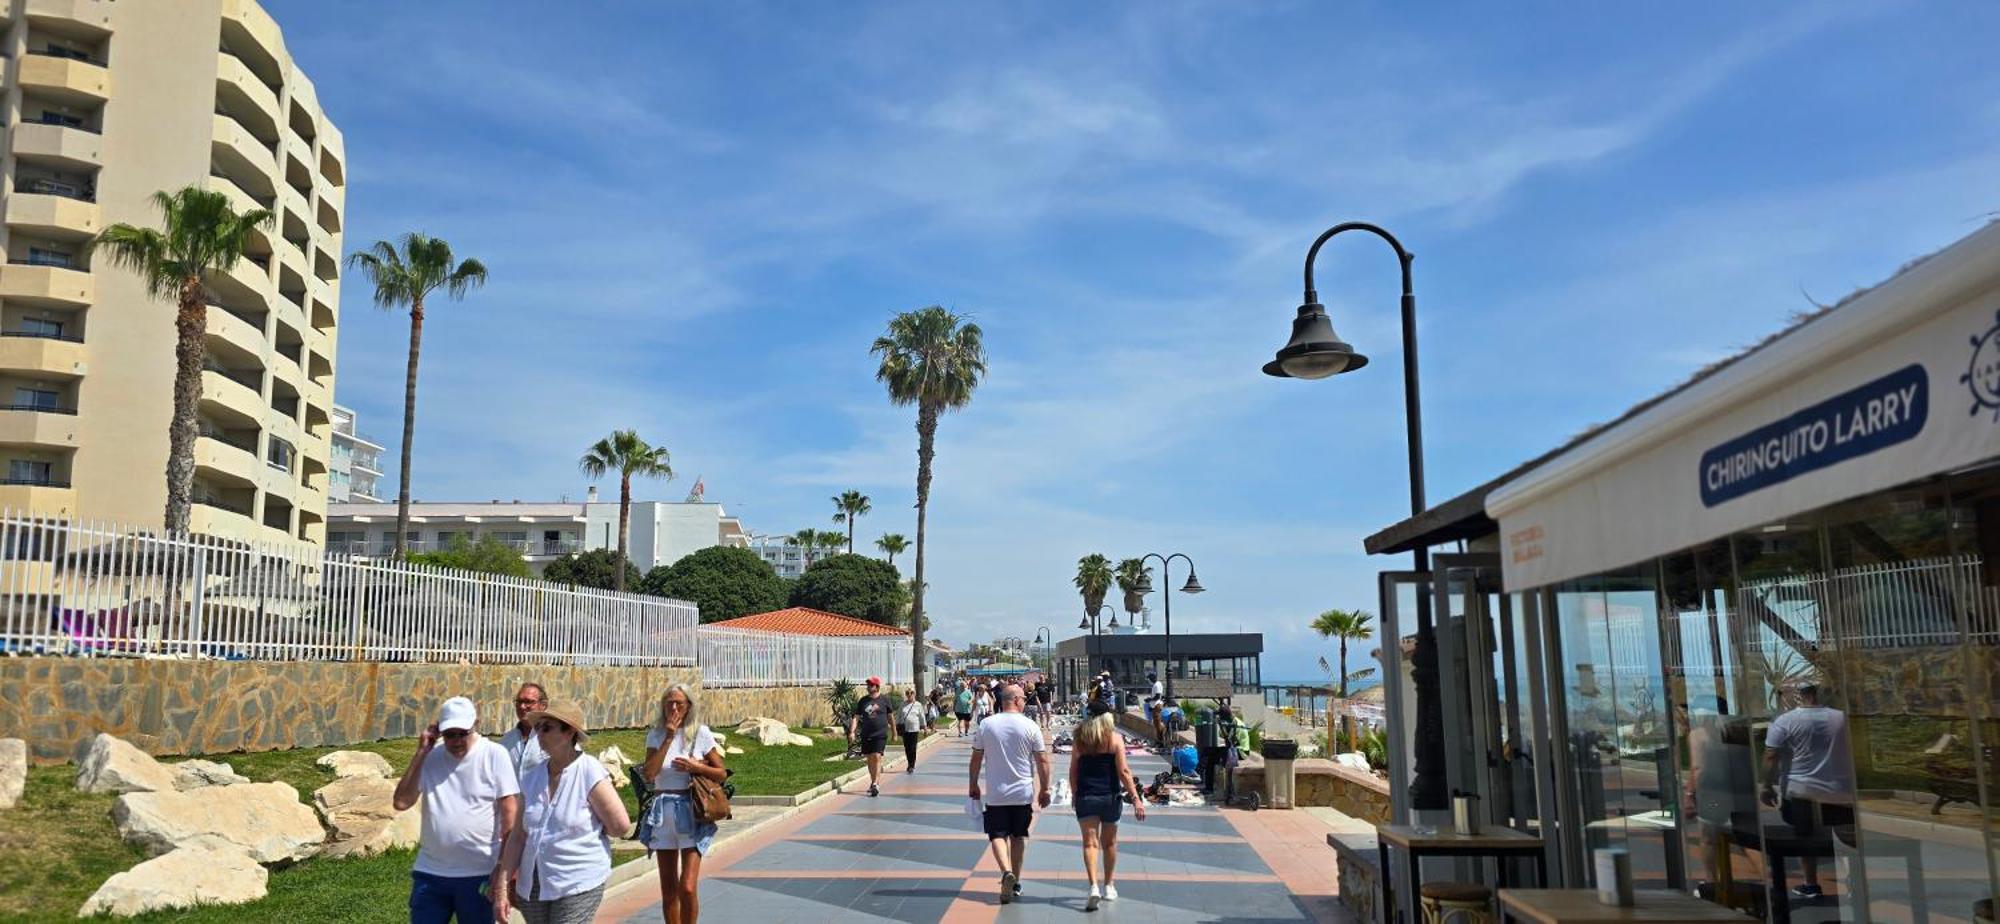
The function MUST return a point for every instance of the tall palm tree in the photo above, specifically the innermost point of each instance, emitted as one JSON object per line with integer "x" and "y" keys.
{"x": 831, "y": 539}
{"x": 200, "y": 235}
{"x": 407, "y": 275}
{"x": 935, "y": 360}
{"x": 1093, "y": 580}
{"x": 892, "y": 545}
{"x": 628, "y": 455}
{"x": 847, "y": 508}
{"x": 1132, "y": 573}
{"x": 1345, "y": 625}
{"x": 807, "y": 539}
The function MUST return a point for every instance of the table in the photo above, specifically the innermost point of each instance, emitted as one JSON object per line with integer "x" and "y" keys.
{"x": 1498, "y": 843}
{"x": 1580, "y": 906}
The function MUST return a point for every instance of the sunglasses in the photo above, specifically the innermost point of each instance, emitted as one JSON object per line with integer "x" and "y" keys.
{"x": 527, "y": 702}
{"x": 455, "y": 733}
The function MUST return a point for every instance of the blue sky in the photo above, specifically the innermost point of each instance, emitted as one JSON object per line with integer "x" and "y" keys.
{"x": 697, "y": 218}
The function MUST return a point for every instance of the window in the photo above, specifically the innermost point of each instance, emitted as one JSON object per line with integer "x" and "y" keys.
{"x": 37, "y": 399}
{"x": 41, "y": 327}
{"x": 52, "y": 117}
{"x": 27, "y": 471}
{"x": 41, "y": 256}
{"x": 279, "y": 455}
{"x": 65, "y": 51}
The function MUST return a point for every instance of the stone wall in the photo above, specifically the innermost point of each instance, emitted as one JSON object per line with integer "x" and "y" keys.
{"x": 797, "y": 706}
{"x": 205, "y": 707}
{"x": 1322, "y": 782}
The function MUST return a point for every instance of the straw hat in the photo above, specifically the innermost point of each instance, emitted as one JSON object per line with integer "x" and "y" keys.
{"x": 569, "y": 714}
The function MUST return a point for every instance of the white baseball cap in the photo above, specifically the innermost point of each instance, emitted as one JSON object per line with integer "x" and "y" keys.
{"x": 457, "y": 712}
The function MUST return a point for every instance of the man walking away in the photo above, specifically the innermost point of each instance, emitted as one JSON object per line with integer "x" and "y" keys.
{"x": 871, "y": 717}
{"x": 1819, "y": 775}
{"x": 962, "y": 710}
{"x": 471, "y": 800}
{"x": 523, "y": 747}
{"x": 1009, "y": 749}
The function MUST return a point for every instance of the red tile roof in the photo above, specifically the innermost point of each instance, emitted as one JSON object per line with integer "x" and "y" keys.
{"x": 799, "y": 620}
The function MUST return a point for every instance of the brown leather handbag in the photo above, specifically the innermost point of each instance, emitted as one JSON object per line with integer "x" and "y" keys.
{"x": 708, "y": 800}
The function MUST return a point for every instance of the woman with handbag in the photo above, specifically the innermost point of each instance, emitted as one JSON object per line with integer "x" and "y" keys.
{"x": 910, "y": 721}
{"x": 681, "y": 756}
{"x": 557, "y": 860}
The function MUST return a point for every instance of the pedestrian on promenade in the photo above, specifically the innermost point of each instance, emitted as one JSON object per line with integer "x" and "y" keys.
{"x": 1097, "y": 773}
{"x": 471, "y": 801}
{"x": 558, "y": 859}
{"x": 521, "y": 743}
{"x": 1032, "y": 702}
{"x": 678, "y": 748}
{"x": 871, "y": 719}
{"x": 1011, "y": 758}
{"x": 982, "y": 705}
{"x": 1810, "y": 742}
{"x": 962, "y": 708}
{"x": 1045, "y": 698}
{"x": 910, "y": 721}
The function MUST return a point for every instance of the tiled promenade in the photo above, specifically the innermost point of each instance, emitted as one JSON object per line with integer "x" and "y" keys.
{"x": 913, "y": 855}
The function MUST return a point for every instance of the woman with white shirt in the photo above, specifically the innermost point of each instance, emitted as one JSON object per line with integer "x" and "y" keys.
{"x": 556, "y": 861}
{"x": 910, "y": 724}
{"x": 679, "y": 748}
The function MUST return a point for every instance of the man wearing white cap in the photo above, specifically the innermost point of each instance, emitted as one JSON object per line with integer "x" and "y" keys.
{"x": 471, "y": 800}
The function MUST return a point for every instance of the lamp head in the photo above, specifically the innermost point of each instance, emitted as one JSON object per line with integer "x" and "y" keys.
{"x": 1145, "y": 583}
{"x": 1192, "y": 586}
{"x": 1315, "y": 351}
{"x": 1114, "y": 620}
{"x": 1083, "y": 623}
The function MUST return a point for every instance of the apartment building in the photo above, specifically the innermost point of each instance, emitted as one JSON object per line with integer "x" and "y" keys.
{"x": 105, "y": 103}
{"x": 660, "y": 532}
{"x": 354, "y": 474}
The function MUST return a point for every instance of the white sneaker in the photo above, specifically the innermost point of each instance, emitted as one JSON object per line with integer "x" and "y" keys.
{"x": 1090, "y": 904}
{"x": 1110, "y": 892}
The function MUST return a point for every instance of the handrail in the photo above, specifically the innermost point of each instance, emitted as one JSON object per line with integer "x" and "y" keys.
{"x": 44, "y": 120}
{"x": 36, "y": 482}
{"x": 39, "y": 408}
{"x": 39, "y": 335}
{"x": 69, "y": 56}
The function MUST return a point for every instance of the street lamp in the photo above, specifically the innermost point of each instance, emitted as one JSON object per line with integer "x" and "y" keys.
{"x": 1193, "y": 586}
{"x": 1047, "y": 638}
{"x": 1316, "y": 352}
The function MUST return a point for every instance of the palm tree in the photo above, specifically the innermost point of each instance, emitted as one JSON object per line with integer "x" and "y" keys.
{"x": 201, "y": 235}
{"x": 807, "y": 539}
{"x": 628, "y": 455}
{"x": 1093, "y": 580}
{"x": 1132, "y": 574}
{"x": 1345, "y": 625}
{"x": 848, "y": 507}
{"x": 935, "y": 360}
{"x": 407, "y": 276}
{"x": 892, "y": 544}
{"x": 831, "y": 539}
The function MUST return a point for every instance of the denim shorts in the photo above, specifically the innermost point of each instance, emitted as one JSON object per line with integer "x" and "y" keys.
{"x": 674, "y": 825}
{"x": 1107, "y": 809}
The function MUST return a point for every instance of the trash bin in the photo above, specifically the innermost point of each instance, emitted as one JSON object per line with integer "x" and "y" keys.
{"x": 1280, "y": 779}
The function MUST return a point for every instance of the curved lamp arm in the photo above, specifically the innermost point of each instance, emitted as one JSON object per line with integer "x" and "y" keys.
{"x": 1402, "y": 256}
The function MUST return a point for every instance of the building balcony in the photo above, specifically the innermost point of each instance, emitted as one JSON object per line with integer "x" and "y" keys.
{"x": 66, "y": 79}
{"x": 230, "y": 135}
{"x": 52, "y": 498}
{"x": 297, "y": 208}
{"x": 227, "y": 462}
{"x": 251, "y": 31}
{"x": 231, "y": 391}
{"x": 29, "y": 425}
{"x": 47, "y": 286}
{"x": 76, "y": 148}
{"x": 53, "y": 215}
{"x": 231, "y": 71}
{"x": 240, "y": 199}
{"x": 213, "y": 517}
{"x": 44, "y": 355}
{"x": 227, "y": 327}
{"x": 94, "y": 15}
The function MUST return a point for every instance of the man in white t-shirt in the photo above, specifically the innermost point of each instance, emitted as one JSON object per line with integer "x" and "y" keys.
{"x": 1010, "y": 750}
{"x": 523, "y": 746}
{"x": 472, "y": 800}
{"x": 1819, "y": 774}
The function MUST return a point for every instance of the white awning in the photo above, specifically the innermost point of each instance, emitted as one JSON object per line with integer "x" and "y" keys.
{"x": 1901, "y": 383}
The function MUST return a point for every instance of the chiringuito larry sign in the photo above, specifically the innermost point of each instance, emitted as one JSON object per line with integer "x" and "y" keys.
{"x": 1873, "y": 416}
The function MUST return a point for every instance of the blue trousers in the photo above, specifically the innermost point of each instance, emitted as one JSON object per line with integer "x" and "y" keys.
{"x": 434, "y": 899}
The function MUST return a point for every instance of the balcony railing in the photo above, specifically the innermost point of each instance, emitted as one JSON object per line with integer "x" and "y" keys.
{"x": 217, "y": 436}
{"x": 58, "y": 261}
{"x": 56, "y": 119}
{"x": 49, "y": 482}
{"x": 47, "y": 187}
{"x": 250, "y": 380}
{"x": 41, "y": 335}
{"x": 241, "y": 509}
{"x": 69, "y": 54}
{"x": 40, "y": 408}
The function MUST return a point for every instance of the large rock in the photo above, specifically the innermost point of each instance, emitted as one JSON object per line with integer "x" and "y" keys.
{"x": 771, "y": 732}
{"x": 194, "y": 774}
{"x": 108, "y": 764}
{"x": 361, "y": 817}
{"x": 196, "y": 875}
{"x": 614, "y": 760}
{"x": 266, "y": 820}
{"x": 357, "y": 763}
{"x": 13, "y": 771}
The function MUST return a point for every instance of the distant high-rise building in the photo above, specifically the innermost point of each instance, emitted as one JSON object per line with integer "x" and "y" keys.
{"x": 108, "y": 103}
{"x": 355, "y": 471}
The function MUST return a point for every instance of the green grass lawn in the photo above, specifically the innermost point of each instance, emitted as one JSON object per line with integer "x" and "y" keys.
{"x": 59, "y": 845}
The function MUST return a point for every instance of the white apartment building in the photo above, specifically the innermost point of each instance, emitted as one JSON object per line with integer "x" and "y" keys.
{"x": 660, "y": 532}
{"x": 354, "y": 474}
{"x": 783, "y": 557}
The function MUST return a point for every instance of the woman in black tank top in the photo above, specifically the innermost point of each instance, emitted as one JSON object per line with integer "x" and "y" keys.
{"x": 1097, "y": 775}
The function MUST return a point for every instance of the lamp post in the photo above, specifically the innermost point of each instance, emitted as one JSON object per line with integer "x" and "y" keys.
{"x": 1193, "y": 586}
{"x": 1316, "y": 352}
{"x": 1048, "y": 639}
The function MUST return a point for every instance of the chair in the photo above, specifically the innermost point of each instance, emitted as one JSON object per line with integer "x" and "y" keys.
{"x": 1444, "y": 902}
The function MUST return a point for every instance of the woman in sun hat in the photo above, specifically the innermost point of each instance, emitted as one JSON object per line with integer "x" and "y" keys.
{"x": 557, "y": 860}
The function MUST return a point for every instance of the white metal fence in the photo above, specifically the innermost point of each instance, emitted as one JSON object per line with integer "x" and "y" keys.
{"x": 1926, "y": 602}
{"x": 749, "y": 658}
{"x": 95, "y": 589}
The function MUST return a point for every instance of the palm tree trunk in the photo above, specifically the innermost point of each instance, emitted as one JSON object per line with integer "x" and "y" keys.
{"x": 850, "y": 534}
{"x": 1343, "y": 667}
{"x": 190, "y": 347}
{"x": 409, "y": 427}
{"x": 927, "y": 421}
{"x": 624, "y": 524}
